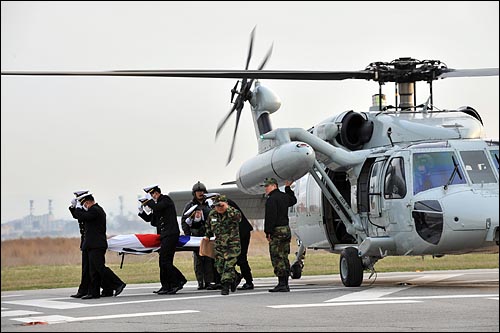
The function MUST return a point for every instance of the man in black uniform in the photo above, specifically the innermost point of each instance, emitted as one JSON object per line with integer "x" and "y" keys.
{"x": 95, "y": 243}
{"x": 165, "y": 219}
{"x": 145, "y": 214}
{"x": 83, "y": 288}
{"x": 277, "y": 229}
{"x": 193, "y": 224}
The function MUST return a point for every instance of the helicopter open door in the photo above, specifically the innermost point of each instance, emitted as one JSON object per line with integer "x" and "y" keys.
{"x": 334, "y": 227}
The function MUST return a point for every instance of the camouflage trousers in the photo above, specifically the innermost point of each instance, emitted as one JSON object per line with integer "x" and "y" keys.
{"x": 225, "y": 261}
{"x": 279, "y": 249}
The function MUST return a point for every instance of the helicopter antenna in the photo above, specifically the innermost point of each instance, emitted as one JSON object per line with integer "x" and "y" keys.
{"x": 389, "y": 133}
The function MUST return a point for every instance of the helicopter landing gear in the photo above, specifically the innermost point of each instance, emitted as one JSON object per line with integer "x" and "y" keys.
{"x": 298, "y": 264}
{"x": 296, "y": 270}
{"x": 351, "y": 267}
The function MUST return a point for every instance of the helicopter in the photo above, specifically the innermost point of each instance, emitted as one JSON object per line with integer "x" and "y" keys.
{"x": 395, "y": 180}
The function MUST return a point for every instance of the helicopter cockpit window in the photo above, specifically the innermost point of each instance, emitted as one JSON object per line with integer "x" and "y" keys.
{"x": 477, "y": 166}
{"x": 431, "y": 170}
{"x": 394, "y": 184}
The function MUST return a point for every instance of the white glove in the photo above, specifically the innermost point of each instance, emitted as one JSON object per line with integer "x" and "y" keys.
{"x": 73, "y": 203}
{"x": 78, "y": 204}
{"x": 85, "y": 207}
{"x": 148, "y": 196}
{"x": 189, "y": 221}
{"x": 147, "y": 210}
{"x": 141, "y": 209}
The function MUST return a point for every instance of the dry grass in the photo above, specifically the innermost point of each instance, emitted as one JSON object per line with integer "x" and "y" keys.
{"x": 66, "y": 251}
{"x": 55, "y": 263}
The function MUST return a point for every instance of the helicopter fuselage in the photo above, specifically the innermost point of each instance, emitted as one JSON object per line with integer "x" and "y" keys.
{"x": 457, "y": 211}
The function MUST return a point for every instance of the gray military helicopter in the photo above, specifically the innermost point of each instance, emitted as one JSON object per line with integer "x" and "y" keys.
{"x": 396, "y": 180}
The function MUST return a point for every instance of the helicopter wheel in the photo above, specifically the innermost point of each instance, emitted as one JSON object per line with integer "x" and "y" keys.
{"x": 351, "y": 267}
{"x": 296, "y": 271}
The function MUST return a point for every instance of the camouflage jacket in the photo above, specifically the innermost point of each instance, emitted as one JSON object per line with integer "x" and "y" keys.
{"x": 225, "y": 227}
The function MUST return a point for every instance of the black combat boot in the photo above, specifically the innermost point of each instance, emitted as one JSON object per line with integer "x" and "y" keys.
{"x": 281, "y": 287}
{"x": 236, "y": 282}
{"x": 225, "y": 288}
{"x": 285, "y": 280}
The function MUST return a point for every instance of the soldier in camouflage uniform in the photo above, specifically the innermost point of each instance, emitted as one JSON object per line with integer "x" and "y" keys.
{"x": 277, "y": 229}
{"x": 223, "y": 222}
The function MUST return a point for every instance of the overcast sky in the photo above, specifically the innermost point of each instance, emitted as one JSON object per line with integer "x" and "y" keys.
{"x": 115, "y": 136}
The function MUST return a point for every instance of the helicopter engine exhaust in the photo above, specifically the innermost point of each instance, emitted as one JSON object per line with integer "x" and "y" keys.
{"x": 289, "y": 161}
{"x": 355, "y": 131}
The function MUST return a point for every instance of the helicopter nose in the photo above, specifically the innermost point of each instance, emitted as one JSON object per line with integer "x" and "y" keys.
{"x": 471, "y": 210}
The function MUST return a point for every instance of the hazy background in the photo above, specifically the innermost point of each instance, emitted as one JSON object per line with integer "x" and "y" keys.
{"x": 116, "y": 135}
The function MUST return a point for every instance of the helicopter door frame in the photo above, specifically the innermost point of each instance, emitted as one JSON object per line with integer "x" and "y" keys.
{"x": 375, "y": 188}
{"x": 396, "y": 196}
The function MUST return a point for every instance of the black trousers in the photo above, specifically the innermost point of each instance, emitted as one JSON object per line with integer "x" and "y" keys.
{"x": 246, "y": 271}
{"x": 170, "y": 276}
{"x": 100, "y": 274}
{"x": 203, "y": 268}
{"x": 84, "y": 287}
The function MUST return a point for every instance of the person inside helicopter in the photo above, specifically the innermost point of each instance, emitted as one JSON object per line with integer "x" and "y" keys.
{"x": 422, "y": 178}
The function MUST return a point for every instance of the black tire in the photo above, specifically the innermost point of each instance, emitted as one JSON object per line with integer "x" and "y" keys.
{"x": 351, "y": 267}
{"x": 296, "y": 271}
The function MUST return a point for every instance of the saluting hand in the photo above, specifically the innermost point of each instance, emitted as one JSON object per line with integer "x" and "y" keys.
{"x": 288, "y": 182}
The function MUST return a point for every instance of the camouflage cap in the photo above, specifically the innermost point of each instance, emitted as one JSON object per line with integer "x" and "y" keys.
{"x": 220, "y": 198}
{"x": 270, "y": 181}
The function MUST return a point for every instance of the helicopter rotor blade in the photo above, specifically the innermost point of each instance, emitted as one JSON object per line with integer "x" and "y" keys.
{"x": 250, "y": 48}
{"x": 238, "y": 115}
{"x": 469, "y": 72}
{"x": 221, "y": 74}
{"x": 266, "y": 58}
{"x": 244, "y": 95}
{"x": 262, "y": 64}
{"x": 249, "y": 56}
{"x": 225, "y": 119}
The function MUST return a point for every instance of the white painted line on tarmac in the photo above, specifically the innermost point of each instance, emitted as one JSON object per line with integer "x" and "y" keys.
{"x": 368, "y": 294}
{"x": 432, "y": 278}
{"x": 339, "y": 304}
{"x": 64, "y": 319}
{"x": 48, "y": 303}
{"x": 15, "y": 313}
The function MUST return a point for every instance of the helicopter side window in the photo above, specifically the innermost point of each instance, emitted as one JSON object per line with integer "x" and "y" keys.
{"x": 431, "y": 170}
{"x": 477, "y": 166}
{"x": 394, "y": 184}
{"x": 494, "y": 157}
{"x": 374, "y": 191}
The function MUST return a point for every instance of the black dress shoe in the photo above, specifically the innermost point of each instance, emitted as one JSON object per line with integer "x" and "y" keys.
{"x": 89, "y": 296}
{"x": 78, "y": 295}
{"x": 164, "y": 291}
{"x": 107, "y": 293}
{"x": 119, "y": 290}
{"x": 216, "y": 286}
{"x": 246, "y": 286}
{"x": 157, "y": 291}
{"x": 175, "y": 289}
